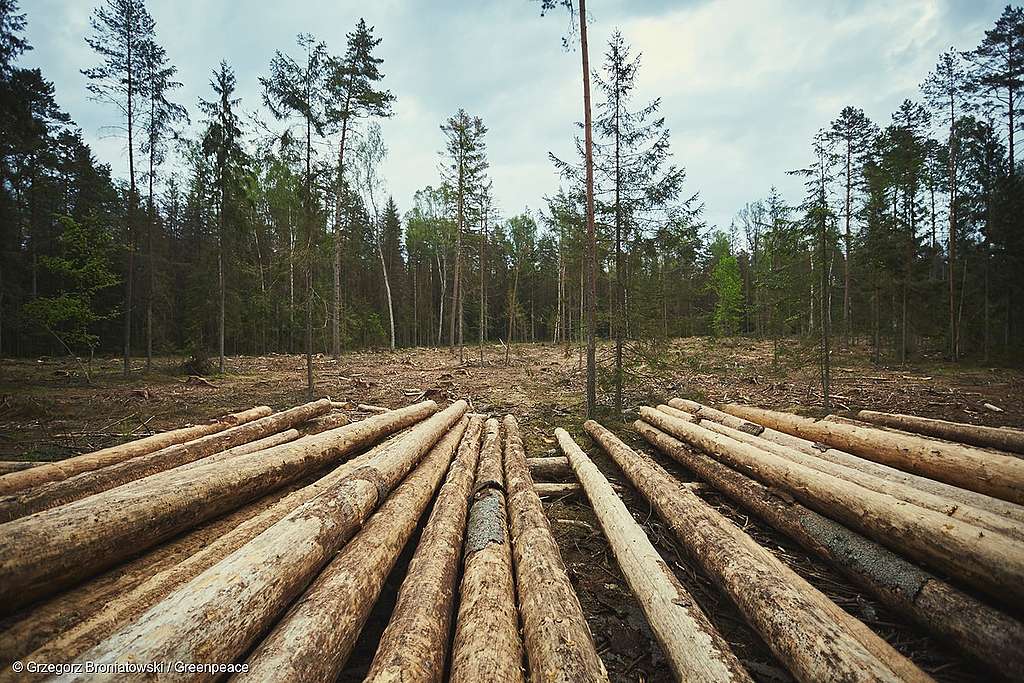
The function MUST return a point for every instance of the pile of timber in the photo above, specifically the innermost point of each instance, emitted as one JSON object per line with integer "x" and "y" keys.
{"x": 932, "y": 528}
{"x": 256, "y": 547}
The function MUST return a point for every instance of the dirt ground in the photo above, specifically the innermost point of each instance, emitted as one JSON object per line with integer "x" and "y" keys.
{"x": 49, "y": 411}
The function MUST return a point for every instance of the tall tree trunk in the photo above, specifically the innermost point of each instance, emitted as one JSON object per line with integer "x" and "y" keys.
{"x": 848, "y": 243}
{"x": 440, "y": 315}
{"x": 132, "y": 193}
{"x": 591, "y": 248}
{"x": 952, "y": 233}
{"x": 309, "y": 257}
{"x": 387, "y": 291}
{"x": 483, "y": 300}
{"x": 338, "y": 206}
{"x": 620, "y": 290}
{"x": 826, "y": 378}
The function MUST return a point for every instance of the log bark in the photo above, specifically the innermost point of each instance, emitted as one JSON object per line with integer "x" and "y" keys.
{"x": 694, "y": 648}
{"x": 965, "y": 513}
{"x": 414, "y": 645}
{"x": 56, "y": 548}
{"x": 988, "y": 635}
{"x": 314, "y": 639}
{"x": 559, "y": 645}
{"x": 819, "y": 450}
{"x": 126, "y": 607}
{"x": 55, "y": 493}
{"x": 325, "y": 423}
{"x": 554, "y": 468}
{"x": 62, "y": 469}
{"x": 550, "y": 489}
{"x": 216, "y": 617}
{"x": 809, "y": 634}
{"x": 977, "y": 435}
{"x": 487, "y": 629}
{"x": 8, "y": 466}
{"x": 1001, "y": 476}
{"x": 986, "y": 560}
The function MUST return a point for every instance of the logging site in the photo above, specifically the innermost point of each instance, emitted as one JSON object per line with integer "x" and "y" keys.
{"x": 559, "y": 342}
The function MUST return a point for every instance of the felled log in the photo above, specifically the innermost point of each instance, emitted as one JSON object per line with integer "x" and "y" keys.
{"x": 139, "y": 596}
{"x": 324, "y": 423}
{"x": 992, "y": 637}
{"x": 978, "y": 435}
{"x": 54, "y": 493}
{"x": 965, "y": 513}
{"x": 987, "y": 560}
{"x": 559, "y": 645}
{"x": 8, "y": 466}
{"x": 487, "y": 629}
{"x": 818, "y": 450}
{"x": 55, "y": 548}
{"x": 62, "y": 469}
{"x": 367, "y": 408}
{"x": 971, "y": 468}
{"x": 314, "y": 639}
{"x": 554, "y": 467}
{"x": 216, "y": 618}
{"x": 809, "y": 634}
{"x": 414, "y": 645}
{"x": 694, "y": 648}
{"x": 553, "y": 490}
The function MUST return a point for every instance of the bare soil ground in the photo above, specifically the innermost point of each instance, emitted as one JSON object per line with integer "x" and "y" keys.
{"x": 49, "y": 411}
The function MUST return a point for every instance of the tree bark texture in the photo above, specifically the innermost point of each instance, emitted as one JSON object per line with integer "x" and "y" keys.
{"x": 977, "y": 435}
{"x": 553, "y": 468}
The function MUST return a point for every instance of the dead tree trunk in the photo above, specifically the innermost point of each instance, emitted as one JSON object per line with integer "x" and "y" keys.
{"x": 415, "y": 643}
{"x": 89, "y": 483}
{"x": 315, "y": 638}
{"x": 55, "y": 548}
{"x": 809, "y": 634}
{"x": 951, "y": 614}
{"x": 970, "y": 468}
{"x": 694, "y": 648}
{"x": 487, "y": 630}
{"x": 63, "y": 469}
{"x": 978, "y": 435}
{"x": 559, "y": 646}
{"x": 988, "y": 561}
{"x": 277, "y": 565}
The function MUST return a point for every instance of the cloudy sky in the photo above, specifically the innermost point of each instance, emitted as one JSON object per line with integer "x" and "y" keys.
{"x": 744, "y": 83}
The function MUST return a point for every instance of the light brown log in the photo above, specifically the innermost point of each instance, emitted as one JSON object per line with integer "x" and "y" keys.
{"x": 694, "y": 648}
{"x": 559, "y": 645}
{"x": 54, "y": 493}
{"x": 324, "y": 423}
{"x": 8, "y": 466}
{"x": 314, "y": 639}
{"x": 487, "y": 642}
{"x": 555, "y": 489}
{"x": 56, "y": 548}
{"x": 367, "y": 408}
{"x": 62, "y": 469}
{"x": 554, "y": 468}
{"x": 809, "y": 634}
{"x": 129, "y": 605}
{"x": 216, "y": 617}
{"x": 986, "y": 560}
{"x": 971, "y": 468}
{"x": 965, "y": 513}
{"x": 978, "y": 435}
{"x": 414, "y": 645}
{"x": 990, "y": 636}
{"x": 961, "y": 495}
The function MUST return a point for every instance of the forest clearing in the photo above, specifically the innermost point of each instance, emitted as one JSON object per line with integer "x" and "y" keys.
{"x": 630, "y": 342}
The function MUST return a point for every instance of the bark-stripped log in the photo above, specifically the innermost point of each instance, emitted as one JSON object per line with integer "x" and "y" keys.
{"x": 414, "y": 645}
{"x": 322, "y": 424}
{"x": 487, "y": 643}
{"x": 694, "y": 648}
{"x": 314, "y": 639}
{"x": 987, "y": 560}
{"x": 219, "y": 614}
{"x": 72, "y": 642}
{"x": 8, "y": 466}
{"x": 818, "y": 450}
{"x": 55, "y": 548}
{"x": 553, "y": 490}
{"x": 809, "y": 634}
{"x": 554, "y": 468}
{"x": 69, "y": 467}
{"x": 992, "y": 637}
{"x": 978, "y": 435}
{"x": 559, "y": 645}
{"x": 965, "y": 513}
{"x": 971, "y": 468}
{"x": 54, "y": 493}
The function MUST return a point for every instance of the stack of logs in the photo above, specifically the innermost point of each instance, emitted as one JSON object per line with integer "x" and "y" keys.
{"x": 256, "y": 547}
{"x": 926, "y": 516}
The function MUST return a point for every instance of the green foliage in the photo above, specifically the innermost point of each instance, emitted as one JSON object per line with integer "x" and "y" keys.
{"x": 725, "y": 282}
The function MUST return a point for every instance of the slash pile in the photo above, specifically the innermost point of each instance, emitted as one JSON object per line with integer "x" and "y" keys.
{"x": 256, "y": 546}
